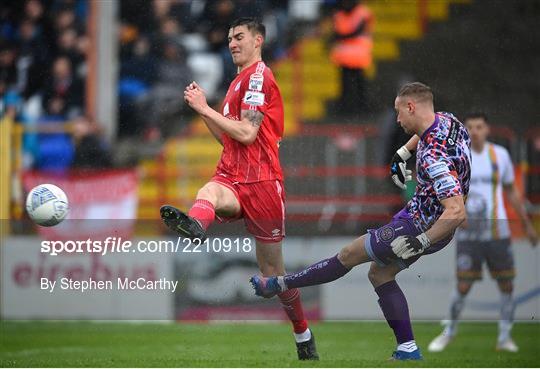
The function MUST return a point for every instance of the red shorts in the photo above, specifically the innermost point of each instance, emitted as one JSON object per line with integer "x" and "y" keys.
{"x": 262, "y": 207}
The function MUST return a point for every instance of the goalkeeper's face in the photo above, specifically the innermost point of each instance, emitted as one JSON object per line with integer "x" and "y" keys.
{"x": 405, "y": 114}
{"x": 244, "y": 45}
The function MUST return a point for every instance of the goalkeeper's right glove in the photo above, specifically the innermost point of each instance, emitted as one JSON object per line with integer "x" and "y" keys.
{"x": 398, "y": 168}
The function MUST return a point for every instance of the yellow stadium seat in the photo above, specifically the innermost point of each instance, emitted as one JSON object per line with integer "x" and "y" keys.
{"x": 398, "y": 29}
{"x": 437, "y": 10}
{"x": 385, "y": 49}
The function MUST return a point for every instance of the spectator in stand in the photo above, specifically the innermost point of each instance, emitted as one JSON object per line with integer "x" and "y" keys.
{"x": 33, "y": 55}
{"x": 250, "y": 8}
{"x": 216, "y": 18}
{"x": 8, "y": 66}
{"x": 40, "y": 48}
{"x": 34, "y": 10}
{"x": 141, "y": 65}
{"x": 137, "y": 14}
{"x": 169, "y": 30}
{"x": 64, "y": 18}
{"x": 164, "y": 100}
{"x": 67, "y": 45}
{"x": 91, "y": 150}
{"x": 65, "y": 86}
{"x": 181, "y": 10}
{"x": 352, "y": 52}
{"x": 55, "y": 151}
{"x": 277, "y": 21}
{"x": 138, "y": 72}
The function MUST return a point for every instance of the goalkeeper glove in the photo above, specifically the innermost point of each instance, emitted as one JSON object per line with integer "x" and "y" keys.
{"x": 407, "y": 246}
{"x": 398, "y": 167}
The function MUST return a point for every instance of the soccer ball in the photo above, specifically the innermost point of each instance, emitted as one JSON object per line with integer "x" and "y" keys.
{"x": 47, "y": 205}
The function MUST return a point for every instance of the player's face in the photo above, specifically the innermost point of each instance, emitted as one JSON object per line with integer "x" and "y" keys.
{"x": 404, "y": 111}
{"x": 478, "y": 130}
{"x": 243, "y": 45}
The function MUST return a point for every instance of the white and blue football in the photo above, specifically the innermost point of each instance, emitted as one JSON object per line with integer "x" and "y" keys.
{"x": 47, "y": 205}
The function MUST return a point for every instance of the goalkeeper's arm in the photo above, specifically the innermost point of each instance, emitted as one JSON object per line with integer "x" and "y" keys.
{"x": 398, "y": 166}
{"x": 453, "y": 215}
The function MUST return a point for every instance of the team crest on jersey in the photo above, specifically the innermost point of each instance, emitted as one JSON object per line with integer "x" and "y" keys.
{"x": 256, "y": 82}
{"x": 254, "y": 98}
{"x": 386, "y": 233}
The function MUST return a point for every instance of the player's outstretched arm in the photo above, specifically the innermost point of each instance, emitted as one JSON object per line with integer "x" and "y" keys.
{"x": 518, "y": 204}
{"x": 453, "y": 215}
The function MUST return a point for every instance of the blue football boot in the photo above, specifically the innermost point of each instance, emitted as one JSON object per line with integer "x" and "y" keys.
{"x": 265, "y": 287}
{"x": 403, "y": 355}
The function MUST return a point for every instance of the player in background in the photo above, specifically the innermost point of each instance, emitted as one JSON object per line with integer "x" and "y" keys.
{"x": 424, "y": 226}
{"x": 485, "y": 237}
{"x": 248, "y": 182}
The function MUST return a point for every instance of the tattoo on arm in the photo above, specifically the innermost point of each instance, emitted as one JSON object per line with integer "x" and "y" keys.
{"x": 255, "y": 117}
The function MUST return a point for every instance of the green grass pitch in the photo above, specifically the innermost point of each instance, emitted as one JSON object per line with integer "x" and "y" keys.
{"x": 340, "y": 344}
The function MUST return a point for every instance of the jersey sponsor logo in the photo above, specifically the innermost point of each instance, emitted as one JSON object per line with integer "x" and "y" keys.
{"x": 256, "y": 81}
{"x": 437, "y": 169}
{"x": 226, "y": 110}
{"x": 453, "y": 134}
{"x": 237, "y": 87}
{"x": 445, "y": 183}
{"x": 254, "y": 98}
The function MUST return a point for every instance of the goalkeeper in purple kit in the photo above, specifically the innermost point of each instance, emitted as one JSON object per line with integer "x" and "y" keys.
{"x": 424, "y": 226}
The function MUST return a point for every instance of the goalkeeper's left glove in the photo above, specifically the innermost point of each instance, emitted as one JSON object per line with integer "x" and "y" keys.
{"x": 407, "y": 246}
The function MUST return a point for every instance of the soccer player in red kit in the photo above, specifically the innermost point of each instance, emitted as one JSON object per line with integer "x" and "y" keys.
{"x": 248, "y": 182}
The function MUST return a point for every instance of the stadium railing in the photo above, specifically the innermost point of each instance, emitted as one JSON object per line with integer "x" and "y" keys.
{"x": 6, "y": 126}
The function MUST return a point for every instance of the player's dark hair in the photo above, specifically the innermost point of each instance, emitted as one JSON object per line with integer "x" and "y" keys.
{"x": 476, "y": 115}
{"x": 417, "y": 90}
{"x": 254, "y": 25}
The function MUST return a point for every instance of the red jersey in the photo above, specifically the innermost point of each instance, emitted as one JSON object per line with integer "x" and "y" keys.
{"x": 254, "y": 88}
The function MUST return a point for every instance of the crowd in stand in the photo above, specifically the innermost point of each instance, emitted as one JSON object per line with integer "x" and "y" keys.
{"x": 43, "y": 45}
{"x": 165, "y": 44}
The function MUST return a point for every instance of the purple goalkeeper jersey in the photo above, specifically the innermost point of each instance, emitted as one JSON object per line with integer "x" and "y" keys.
{"x": 443, "y": 169}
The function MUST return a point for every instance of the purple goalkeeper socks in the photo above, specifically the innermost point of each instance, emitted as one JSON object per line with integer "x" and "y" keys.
{"x": 324, "y": 271}
{"x": 394, "y": 306}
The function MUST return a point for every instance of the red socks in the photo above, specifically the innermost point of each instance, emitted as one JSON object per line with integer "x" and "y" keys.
{"x": 290, "y": 301}
{"x": 203, "y": 211}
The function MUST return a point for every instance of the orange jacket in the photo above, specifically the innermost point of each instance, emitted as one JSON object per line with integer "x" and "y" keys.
{"x": 354, "y": 51}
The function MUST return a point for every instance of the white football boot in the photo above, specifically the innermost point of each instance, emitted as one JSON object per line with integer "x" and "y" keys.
{"x": 440, "y": 342}
{"x": 507, "y": 345}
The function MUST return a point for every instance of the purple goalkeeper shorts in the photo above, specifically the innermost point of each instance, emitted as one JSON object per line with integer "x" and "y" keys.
{"x": 378, "y": 241}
